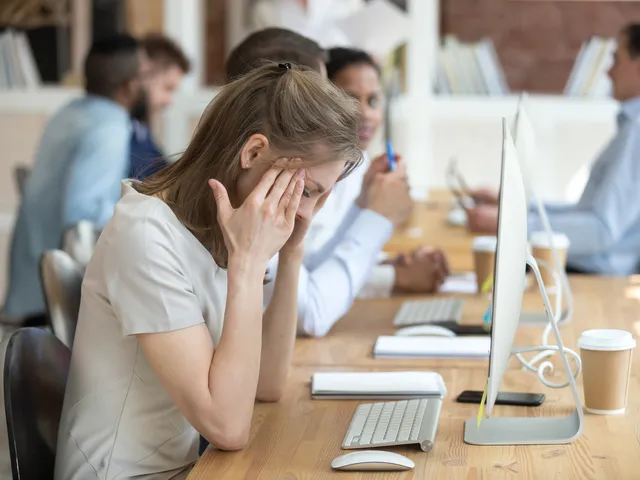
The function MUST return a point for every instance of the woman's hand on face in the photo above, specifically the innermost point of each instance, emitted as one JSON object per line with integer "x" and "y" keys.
{"x": 264, "y": 222}
{"x": 294, "y": 247}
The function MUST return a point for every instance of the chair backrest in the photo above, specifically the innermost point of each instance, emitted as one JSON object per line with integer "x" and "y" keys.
{"x": 62, "y": 285}
{"x": 36, "y": 367}
{"x": 80, "y": 240}
{"x": 21, "y": 173}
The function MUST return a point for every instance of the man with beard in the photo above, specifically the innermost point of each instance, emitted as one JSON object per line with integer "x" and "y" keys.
{"x": 82, "y": 158}
{"x": 169, "y": 65}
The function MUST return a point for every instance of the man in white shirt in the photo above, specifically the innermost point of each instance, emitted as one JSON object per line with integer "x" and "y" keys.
{"x": 346, "y": 237}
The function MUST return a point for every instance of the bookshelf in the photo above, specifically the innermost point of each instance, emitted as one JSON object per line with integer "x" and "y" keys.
{"x": 537, "y": 42}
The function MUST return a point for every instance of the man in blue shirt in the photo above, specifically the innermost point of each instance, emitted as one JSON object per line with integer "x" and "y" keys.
{"x": 604, "y": 226}
{"x": 82, "y": 158}
{"x": 168, "y": 66}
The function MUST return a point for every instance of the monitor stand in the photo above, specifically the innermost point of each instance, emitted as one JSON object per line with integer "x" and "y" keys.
{"x": 532, "y": 430}
{"x": 540, "y": 318}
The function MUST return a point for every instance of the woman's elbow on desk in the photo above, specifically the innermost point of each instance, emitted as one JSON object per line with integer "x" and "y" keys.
{"x": 271, "y": 394}
{"x": 230, "y": 437}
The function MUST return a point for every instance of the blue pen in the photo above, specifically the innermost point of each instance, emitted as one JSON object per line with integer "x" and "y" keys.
{"x": 391, "y": 156}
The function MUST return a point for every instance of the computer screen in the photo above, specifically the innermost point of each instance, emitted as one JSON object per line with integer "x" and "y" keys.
{"x": 510, "y": 261}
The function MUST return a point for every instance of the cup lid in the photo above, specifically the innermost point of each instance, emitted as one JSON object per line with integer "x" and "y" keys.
{"x": 606, "y": 339}
{"x": 485, "y": 244}
{"x": 540, "y": 239}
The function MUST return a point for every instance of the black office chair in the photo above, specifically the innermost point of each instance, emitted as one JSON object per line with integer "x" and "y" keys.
{"x": 61, "y": 279}
{"x": 36, "y": 367}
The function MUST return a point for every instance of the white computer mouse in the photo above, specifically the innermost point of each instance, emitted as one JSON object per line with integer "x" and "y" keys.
{"x": 425, "y": 330}
{"x": 457, "y": 217}
{"x": 372, "y": 461}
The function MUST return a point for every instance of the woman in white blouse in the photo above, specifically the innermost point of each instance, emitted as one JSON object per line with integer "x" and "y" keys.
{"x": 345, "y": 241}
{"x": 172, "y": 339}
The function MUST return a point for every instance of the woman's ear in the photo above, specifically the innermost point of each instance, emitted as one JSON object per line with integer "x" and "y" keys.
{"x": 254, "y": 150}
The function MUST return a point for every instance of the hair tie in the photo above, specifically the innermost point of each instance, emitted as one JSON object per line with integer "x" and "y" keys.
{"x": 286, "y": 65}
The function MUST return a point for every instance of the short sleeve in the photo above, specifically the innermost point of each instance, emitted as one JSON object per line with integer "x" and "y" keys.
{"x": 147, "y": 283}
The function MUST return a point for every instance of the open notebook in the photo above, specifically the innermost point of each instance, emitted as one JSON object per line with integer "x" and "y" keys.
{"x": 376, "y": 385}
{"x": 432, "y": 347}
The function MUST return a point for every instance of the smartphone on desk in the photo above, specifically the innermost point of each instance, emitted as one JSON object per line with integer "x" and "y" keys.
{"x": 461, "y": 329}
{"x": 504, "y": 398}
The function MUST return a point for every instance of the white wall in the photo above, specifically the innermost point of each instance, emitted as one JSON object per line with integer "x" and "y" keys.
{"x": 569, "y": 132}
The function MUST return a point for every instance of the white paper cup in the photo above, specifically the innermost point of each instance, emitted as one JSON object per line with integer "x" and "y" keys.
{"x": 606, "y": 367}
{"x": 484, "y": 256}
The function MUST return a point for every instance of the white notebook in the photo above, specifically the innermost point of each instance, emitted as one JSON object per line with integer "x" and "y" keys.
{"x": 377, "y": 385}
{"x": 432, "y": 347}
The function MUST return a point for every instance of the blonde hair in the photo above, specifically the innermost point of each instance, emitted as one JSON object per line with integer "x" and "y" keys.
{"x": 301, "y": 114}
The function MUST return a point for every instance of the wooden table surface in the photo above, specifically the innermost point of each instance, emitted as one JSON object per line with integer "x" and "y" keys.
{"x": 298, "y": 438}
{"x": 428, "y": 226}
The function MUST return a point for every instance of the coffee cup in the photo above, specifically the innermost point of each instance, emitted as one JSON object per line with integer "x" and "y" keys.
{"x": 484, "y": 257}
{"x": 606, "y": 367}
{"x": 542, "y": 251}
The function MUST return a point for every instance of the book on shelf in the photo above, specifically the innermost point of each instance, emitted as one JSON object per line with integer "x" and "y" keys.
{"x": 589, "y": 77}
{"x": 470, "y": 69}
{"x": 18, "y": 68}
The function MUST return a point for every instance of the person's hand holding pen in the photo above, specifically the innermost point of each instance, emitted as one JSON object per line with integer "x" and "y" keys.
{"x": 386, "y": 192}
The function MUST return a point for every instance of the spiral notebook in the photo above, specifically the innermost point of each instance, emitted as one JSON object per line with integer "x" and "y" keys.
{"x": 376, "y": 385}
{"x": 467, "y": 347}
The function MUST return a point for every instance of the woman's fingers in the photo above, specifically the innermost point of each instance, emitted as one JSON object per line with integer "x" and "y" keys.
{"x": 288, "y": 193}
{"x": 266, "y": 182}
{"x": 280, "y": 186}
{"x": 222, "y": 199}
{"x": 294, "y": 201}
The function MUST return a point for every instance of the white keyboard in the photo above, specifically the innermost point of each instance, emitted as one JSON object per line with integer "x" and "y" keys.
{"x": 420, "y": 312}
{"x": 394, "y": 423}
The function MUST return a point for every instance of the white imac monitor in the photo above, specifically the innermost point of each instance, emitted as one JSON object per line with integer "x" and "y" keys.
{"x": 511, "y": 258}
{"x": 510, "y": 262}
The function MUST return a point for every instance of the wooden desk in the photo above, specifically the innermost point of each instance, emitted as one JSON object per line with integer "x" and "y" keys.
{"x": 350, "y": 343}
{"x": 299, "y": 437}
{"x": 428, "y": 226}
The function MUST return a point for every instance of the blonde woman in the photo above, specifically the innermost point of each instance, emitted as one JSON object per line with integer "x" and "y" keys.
{"x": 172, "y": 339}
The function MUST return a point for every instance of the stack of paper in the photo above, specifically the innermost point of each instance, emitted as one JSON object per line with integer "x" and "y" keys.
{"x": 589, "y": 75}
{"x": 472, "y": 69}
{"x": 467, "y": 347}
{"x": 377, "y": 385}
{"x": 17, "y": 66}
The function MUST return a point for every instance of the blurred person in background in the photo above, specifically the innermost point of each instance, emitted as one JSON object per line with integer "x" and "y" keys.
{"x": 315, "y": 19}
{"x": 168, "y": 66}
{"x": 343, "y": 246}
{"x": 82, "y": 158}
{"x": 604, "y": 226}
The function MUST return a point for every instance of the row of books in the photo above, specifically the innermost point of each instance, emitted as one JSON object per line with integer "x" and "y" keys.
{"x": 470, "y": 69}
{"x": 18, "y": 68}
{"x": 589, "y": 75}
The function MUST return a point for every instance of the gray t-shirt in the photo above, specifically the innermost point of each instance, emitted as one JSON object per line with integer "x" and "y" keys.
{"x": 148, "y": 274}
